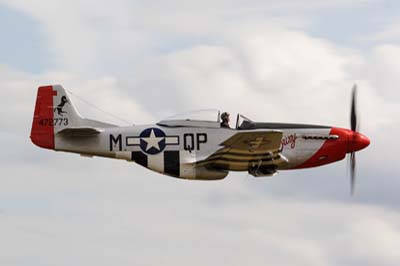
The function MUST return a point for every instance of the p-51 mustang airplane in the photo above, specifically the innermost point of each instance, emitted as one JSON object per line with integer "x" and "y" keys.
{"x": 192, "y": 147}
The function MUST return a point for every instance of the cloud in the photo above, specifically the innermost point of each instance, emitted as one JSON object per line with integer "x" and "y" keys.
{"x": 264, "y": 70}
{"x": 143, "y": 63}
{"x": 136, "y": 29}
{"x": 19, "y": 88}
{"x": 119, "y": 218}
{"x": 381, "y": 71}
{"x": 390, "y": 33}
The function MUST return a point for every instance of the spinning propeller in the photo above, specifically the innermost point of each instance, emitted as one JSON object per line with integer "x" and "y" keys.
{"x": 356, "y": 140}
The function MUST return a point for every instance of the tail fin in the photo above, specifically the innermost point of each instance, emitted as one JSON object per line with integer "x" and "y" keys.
{"x": 54, "y": 111}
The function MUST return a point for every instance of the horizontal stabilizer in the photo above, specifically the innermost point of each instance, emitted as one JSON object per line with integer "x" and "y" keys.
{"x": 79, "y": 131}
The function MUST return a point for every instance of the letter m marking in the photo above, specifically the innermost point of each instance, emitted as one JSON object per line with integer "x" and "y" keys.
{"x": 115, "y": 141}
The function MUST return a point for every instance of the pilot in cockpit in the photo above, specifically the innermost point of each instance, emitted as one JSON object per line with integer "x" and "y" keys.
{"x": 225, "y": 120}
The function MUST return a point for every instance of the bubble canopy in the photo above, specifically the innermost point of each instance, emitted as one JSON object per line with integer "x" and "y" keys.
{"x": 211, "y": 115}
{"x": 205, "y": 117}
{"x": 201, "y": 118}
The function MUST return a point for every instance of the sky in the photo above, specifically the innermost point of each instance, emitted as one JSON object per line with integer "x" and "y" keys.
{"x": 288, "y": 61}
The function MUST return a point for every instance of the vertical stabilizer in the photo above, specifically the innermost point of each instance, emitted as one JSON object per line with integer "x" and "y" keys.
{"x": 54, "y": 111}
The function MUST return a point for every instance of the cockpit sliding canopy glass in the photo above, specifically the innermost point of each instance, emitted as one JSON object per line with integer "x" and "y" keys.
{"x": 210, "y": 115}
{"x": 206, "y": 118}
{"x": 202, "y": 118}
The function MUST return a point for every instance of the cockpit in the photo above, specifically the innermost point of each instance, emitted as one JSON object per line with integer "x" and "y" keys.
{"x": 204, "y": 118}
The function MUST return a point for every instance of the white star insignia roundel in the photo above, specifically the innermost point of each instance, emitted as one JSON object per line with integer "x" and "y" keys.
{"x": 153, "y": 141}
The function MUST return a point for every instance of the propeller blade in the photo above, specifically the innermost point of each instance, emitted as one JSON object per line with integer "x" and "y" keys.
{"x": 352, "y": 172}
{"x": 353, "y": 114}
{"x": 354, "y": 123}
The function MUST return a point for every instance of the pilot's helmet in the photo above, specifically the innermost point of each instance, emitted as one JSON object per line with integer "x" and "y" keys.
{"x": 224, "y": 116}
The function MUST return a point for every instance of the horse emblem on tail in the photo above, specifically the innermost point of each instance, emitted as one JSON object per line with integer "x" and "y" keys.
{"x": 60, "y": 107}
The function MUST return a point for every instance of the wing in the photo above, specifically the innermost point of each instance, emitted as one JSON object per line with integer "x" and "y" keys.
{"x": 245, "y": 150}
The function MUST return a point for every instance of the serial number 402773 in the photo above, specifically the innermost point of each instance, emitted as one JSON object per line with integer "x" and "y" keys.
{"x": 53, "y": 122}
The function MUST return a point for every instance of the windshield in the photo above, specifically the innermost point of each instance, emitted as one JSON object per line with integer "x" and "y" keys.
{"x": 211, "y": 115}
{"x": 242, "y": 122}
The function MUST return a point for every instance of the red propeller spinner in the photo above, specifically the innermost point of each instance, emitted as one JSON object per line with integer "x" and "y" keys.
{"x": 357, "y": 141}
